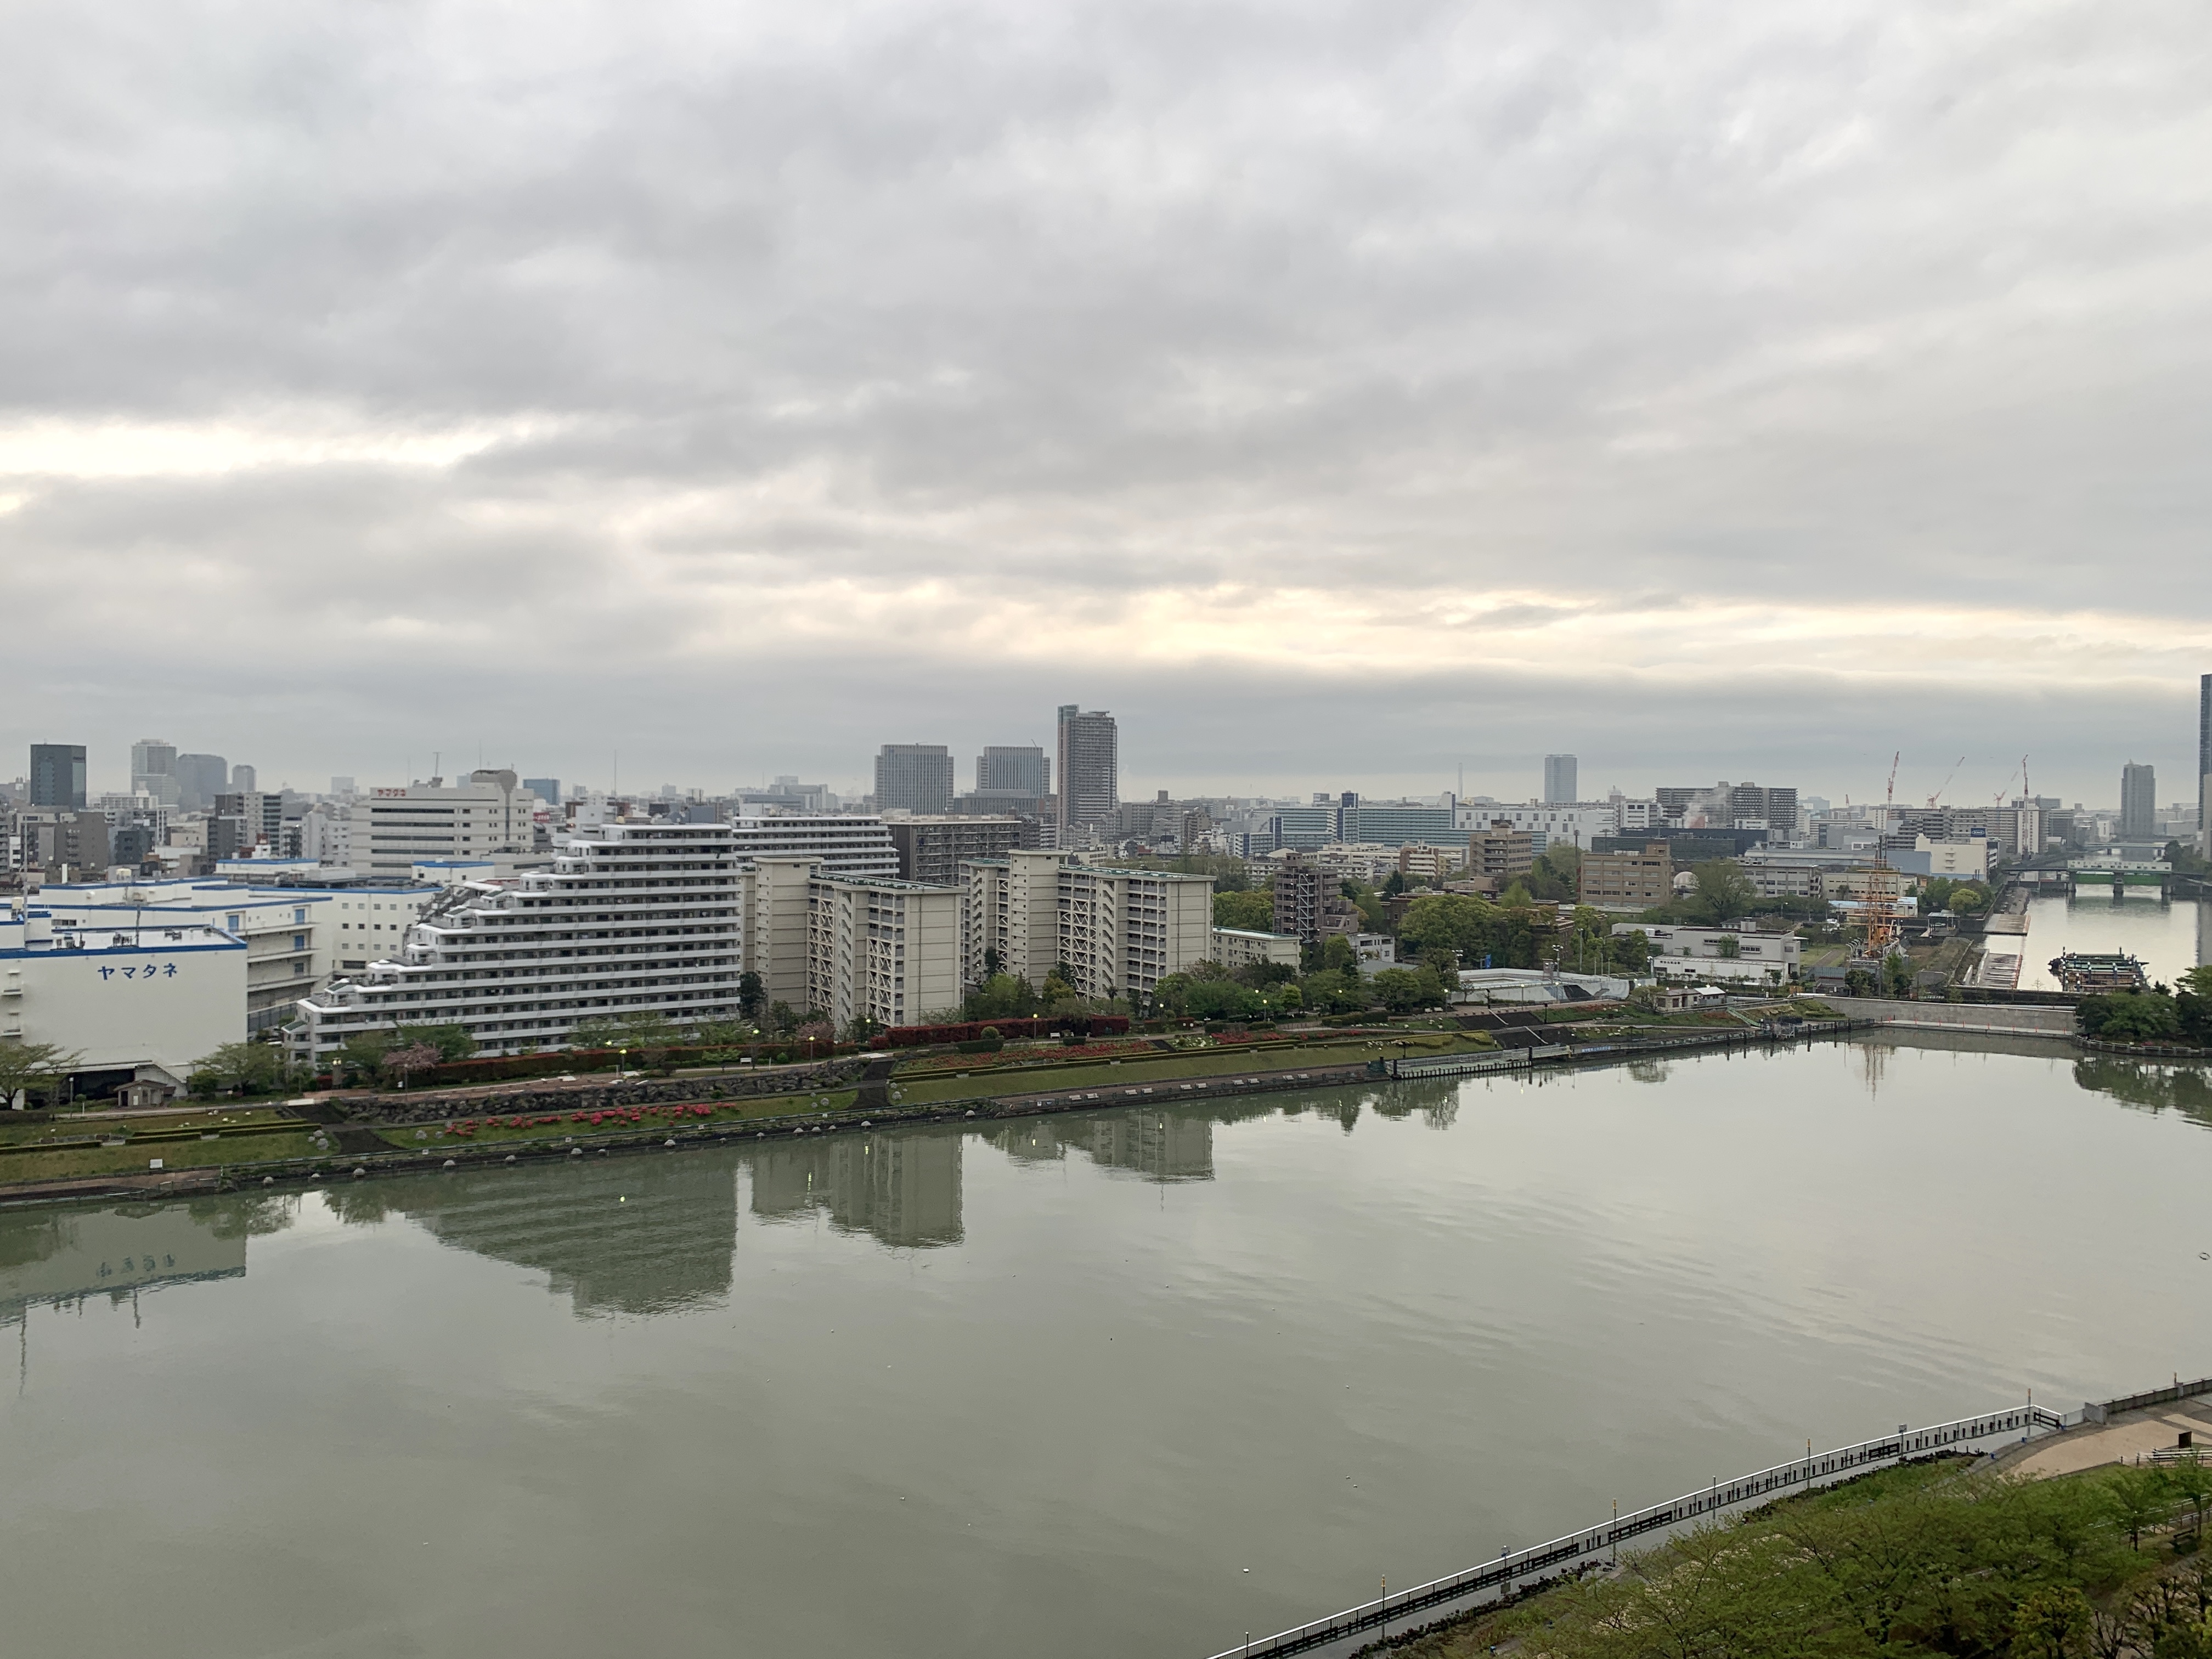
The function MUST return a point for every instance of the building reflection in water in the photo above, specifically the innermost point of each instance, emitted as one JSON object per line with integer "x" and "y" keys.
{"x": 616, "y": 1236}
{"x": 901, "y": 1188}
{"x": 1151, "y": 1145}
{"x": 63, "y": 1256}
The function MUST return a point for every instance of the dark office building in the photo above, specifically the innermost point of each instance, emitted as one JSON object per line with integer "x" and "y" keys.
{"x": 932, "y": 850}
{"x": 57, "y": 775}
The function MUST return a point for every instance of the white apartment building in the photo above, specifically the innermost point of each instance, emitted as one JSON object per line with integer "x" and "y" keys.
{"x": 851, "y": 946}
{"x": 851, "y": 846}
{"x": 138, "y": 1003}
{"x": 880, "y": 949}
{"x": 637, "y": 918}
{"x": 1115, "y": 931}
{"x": 1241, "y": 947}
{"x": 389, "y": 830}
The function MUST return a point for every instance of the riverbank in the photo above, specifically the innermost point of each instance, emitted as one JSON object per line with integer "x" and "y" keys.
{"x": 357, "y": 1135}
{"x": 1947, "y": 1555}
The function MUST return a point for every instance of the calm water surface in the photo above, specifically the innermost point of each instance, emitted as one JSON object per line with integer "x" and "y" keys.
{"x": 2169, "y": 939}
{"x": 1058, "y": 1384}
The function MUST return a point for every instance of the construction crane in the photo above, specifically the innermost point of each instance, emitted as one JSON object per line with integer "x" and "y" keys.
{"x": 1946, "y": 784}
{"x": 1878, "y": 909}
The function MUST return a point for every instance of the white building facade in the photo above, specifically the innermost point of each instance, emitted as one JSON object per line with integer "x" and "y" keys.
{"x": 138, "y": 1003}
{"x": 636, "y": 919}
{"x": 390, "y": 829}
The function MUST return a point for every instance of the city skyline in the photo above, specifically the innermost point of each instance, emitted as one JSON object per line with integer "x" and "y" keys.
{"x": 1704, "y": 423}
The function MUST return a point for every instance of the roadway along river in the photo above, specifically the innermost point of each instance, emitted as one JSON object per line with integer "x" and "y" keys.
{"x": 1055, "y": 1386}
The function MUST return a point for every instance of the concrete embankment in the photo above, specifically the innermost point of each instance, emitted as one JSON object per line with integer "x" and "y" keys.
{"x": 1994, "y": 1018}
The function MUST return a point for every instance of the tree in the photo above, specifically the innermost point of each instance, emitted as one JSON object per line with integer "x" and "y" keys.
{"x": 1246, "y": 912}
{"x": 2129, "y": 1017}
{"x": 2138, "y": 1498}
{"x": 1897, "y": 971}
{"x": 991, "y": 961}
{"x": 25, "y": 1067}
{"x": 251, "y": 1067}
{"x": 1338, "y": 956}
{"x": 752, "y": 991}
{"x": 404, "y": 1063}
{"x": 637, "y": 1032}
{"x": 1395, "y": 884}
{"x": 452, "y": 1042}
{"x": 2190, "y": 1477}
{"x": 1858, "y": 982}
{"x": 1724, "y": 893}
{"x": 2050, "y": 1623}
{"x": 1403, "y": 990}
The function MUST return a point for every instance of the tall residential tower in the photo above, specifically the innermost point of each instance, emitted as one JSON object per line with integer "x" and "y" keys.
{"x": 1090, "y": 768}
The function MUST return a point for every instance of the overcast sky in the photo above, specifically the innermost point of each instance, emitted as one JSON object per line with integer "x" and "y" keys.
{"x": 1342, "y": 394}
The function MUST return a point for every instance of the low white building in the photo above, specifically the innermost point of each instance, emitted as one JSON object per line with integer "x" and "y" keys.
{"x": 1374, "y": 952}
{"x": 1513, "y": 986}
{"x": 288, "y": 933}
{"x": 1736, "y": 956}
{"x": 135, "y": 1003}
{"x": 1242, "y": 947}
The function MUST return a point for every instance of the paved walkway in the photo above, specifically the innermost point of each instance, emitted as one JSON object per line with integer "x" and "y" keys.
{"x": 2128, "y": 1437}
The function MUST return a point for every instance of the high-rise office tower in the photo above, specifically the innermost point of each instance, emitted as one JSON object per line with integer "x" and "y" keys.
{"x": 200, "y": 778}
{"x": 152, "y": 758}
{"x": 2204, "y": 764}
{"x": 244, "y": 780}
{"x": 2138, "y": 802}
{"x": 914, "y": 777}
{"x": 1560, "y": 779}
{"x": 546, "y": 789}
{"x": 1005, "y": 770}
{"x": 57, "y": 774}
{"x": 1090, "y": 767}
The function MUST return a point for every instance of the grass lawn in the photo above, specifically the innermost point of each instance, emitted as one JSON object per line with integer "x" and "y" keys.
{"x": 1161, "y": 1067}
{"x": 500, "y": 1129}
{"x": 76, "y": 1126}
{"x": 66, "y": 1165}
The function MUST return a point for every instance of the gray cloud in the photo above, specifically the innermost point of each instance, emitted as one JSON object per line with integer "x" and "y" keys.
{"x": 793, "y": 339}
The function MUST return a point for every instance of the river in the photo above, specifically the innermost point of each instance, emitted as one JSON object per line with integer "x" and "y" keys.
{"x": 1131, "y": 1382}
{"x": 2168, "y": 938}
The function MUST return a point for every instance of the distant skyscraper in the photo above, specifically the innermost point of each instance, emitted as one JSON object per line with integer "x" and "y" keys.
{"x": 243, "y": 780}
{"x": 1024, "y": 771}
{"x": 341, "y": 786}
{"x": 200, "y": 778}
{"x": 1090, "y": 767}
{"x": 2204, "y": 764}
{"x": 914, "y": 777}
{"x": 154, "y": 769}
{"x": 2138, "y": 802}
{"x": 546, "y": 789}
{"x": 1560, "y": 779}
{"x": 152, "y": 758}
{"x": 57, "y": 774}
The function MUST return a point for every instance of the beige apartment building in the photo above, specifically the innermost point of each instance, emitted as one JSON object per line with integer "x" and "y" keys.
{"x": 1628, "y": 880}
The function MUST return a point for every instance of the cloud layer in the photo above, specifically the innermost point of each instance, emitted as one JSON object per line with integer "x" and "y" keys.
{"x": 1342, "y": 394}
